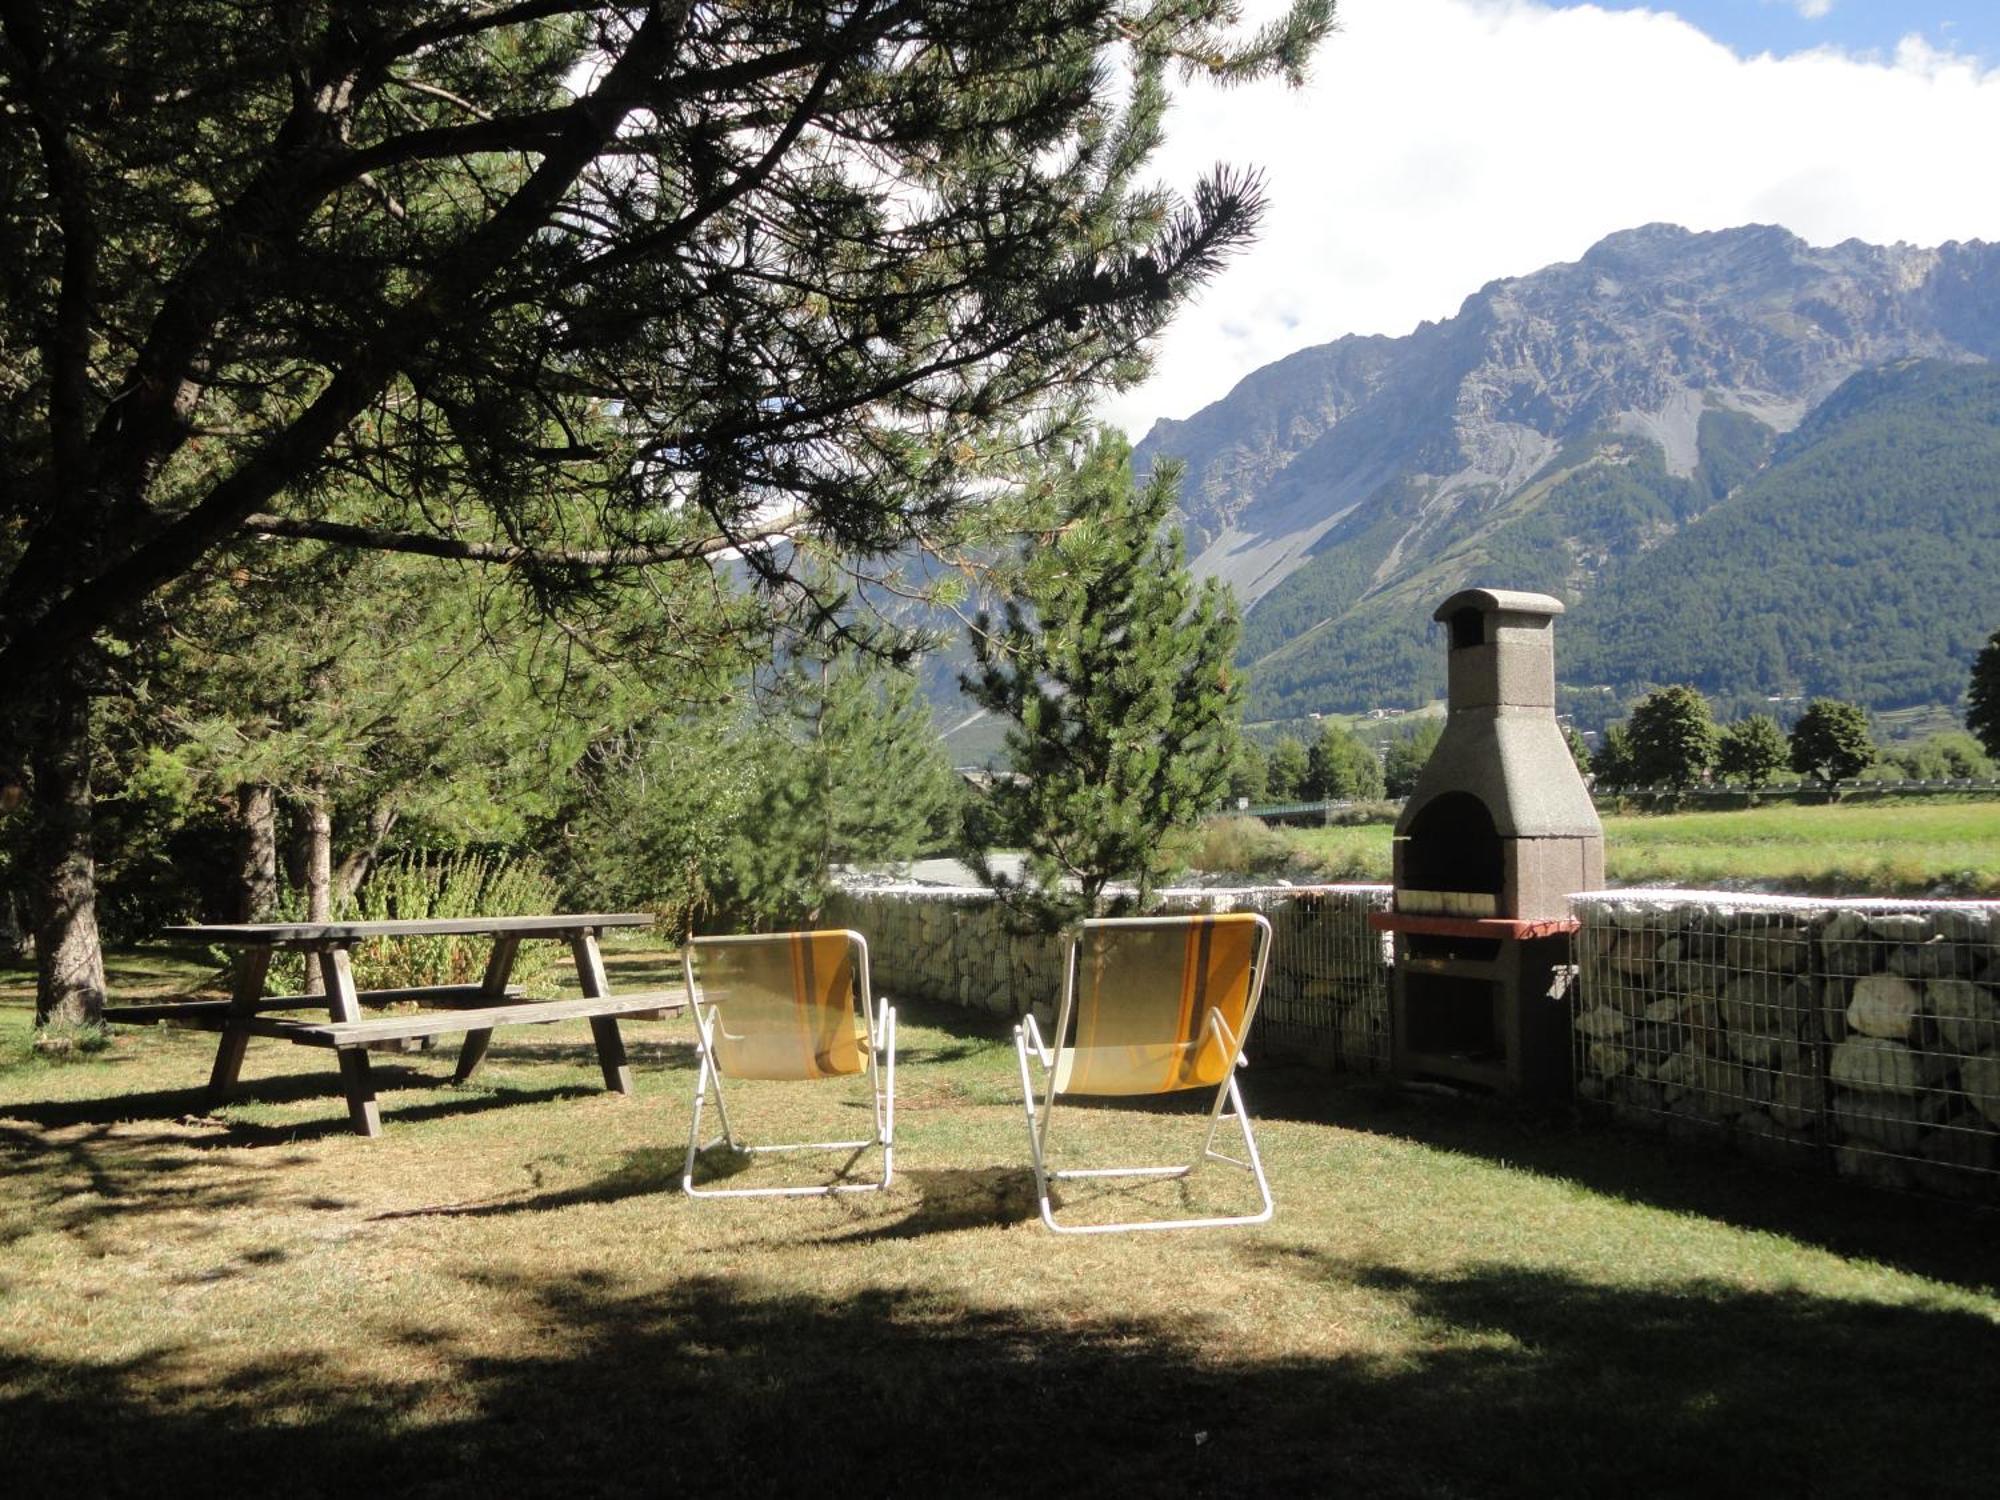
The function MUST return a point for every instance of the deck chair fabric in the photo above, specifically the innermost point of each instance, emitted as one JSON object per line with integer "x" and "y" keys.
{"x": 789, "y": 1007}
{"x": 1151, "y": 1005}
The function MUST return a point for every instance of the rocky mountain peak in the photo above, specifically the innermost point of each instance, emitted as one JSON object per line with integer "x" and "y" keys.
{"x": 1652, "y": 330}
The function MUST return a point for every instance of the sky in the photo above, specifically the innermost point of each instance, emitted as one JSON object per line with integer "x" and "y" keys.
{"x": 1443, "y": 144}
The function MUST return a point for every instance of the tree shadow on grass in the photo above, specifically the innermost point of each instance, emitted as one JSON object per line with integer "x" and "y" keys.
{"x": 1520, "y": 1383}
{"x": 190, "y": 1105}
{"x": 1943, "y": 1240}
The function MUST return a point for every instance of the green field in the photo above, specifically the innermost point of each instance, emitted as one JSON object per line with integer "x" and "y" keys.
{"x": 1880, "y": 849}
{"x": 507, "y": 1294}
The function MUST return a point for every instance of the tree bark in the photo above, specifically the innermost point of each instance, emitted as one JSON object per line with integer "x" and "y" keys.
{"x": 311, "y": 858}
{"x": 69, "y": 960}
{"x": 361, "y": 863}
{"x": 319, "y": 858}
{"x": 257, "y": 849}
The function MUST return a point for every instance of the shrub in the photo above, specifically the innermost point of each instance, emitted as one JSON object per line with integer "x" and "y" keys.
{"x": 1235, "y": 846}
{"x": 423, "y": 885}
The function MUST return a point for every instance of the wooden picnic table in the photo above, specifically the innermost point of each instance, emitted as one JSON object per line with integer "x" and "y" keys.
{"x": 473, "y": 1009}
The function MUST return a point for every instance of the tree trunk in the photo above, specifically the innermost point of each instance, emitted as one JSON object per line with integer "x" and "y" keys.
{"x": 69, "y": 962}
{"x": 361, "y": 863}
{"x": 16, "y": 946}
{"x": 313, "y": 839}
{"x": 298, "y": 848}
{"x": 257, "y": 850}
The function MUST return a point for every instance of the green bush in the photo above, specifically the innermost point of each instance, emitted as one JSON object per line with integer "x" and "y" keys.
{"x": 1234, "y": 846}
{"x": 420, "y": 886}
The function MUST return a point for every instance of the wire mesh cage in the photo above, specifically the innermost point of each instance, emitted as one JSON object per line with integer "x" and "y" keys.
{"x": 1864, "y": 1033}
{"x": 1327, "y": 998}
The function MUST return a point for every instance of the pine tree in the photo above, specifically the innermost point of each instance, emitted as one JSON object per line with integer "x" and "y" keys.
{"x": 1113, "y": 671}
{"x": 1342, "y": 768}
{"x": 1289, "y": 763}
{"x": 1671, "y": 737}
{"x": 1982, "y": 696}
{"x": 1752, "y": 751}
{"x": 580, "y": 289}
{"x": 1612, "y": 764}
{"x": 1579, "y": 752}
{"x": 1249, "y": 774}
{"x": 1831, "y": 741}
{"x": 1407, "y": 755}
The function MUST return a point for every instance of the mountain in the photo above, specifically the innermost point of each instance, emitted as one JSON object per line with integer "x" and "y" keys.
{"x": 1743, "y": 461}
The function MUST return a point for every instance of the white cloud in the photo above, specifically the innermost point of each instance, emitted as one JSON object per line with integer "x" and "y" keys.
{"x": 1814, "y": 10}
{"x": 1444, "y": 143}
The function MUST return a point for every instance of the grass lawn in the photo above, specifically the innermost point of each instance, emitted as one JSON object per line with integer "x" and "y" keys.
{"x": 507, "y": 1294}
{"x": 1876, "y": 849}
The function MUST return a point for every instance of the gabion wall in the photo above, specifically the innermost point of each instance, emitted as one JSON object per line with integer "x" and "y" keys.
{"x": 1860, "y": 1036}
{"x": 1326, "y": 999}
{"x": 1863, "y": 1034}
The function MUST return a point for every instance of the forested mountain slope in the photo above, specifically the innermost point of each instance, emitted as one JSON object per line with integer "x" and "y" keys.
{"x": 1567, "y": 427}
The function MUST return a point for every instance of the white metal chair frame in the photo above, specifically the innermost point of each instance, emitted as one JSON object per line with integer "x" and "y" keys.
{"x": 881, "y": 1082}
{"x": 1028, "y": 1037}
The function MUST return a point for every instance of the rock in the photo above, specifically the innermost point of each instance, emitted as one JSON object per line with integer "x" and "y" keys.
{"x": 1901, "y": 928}
{"x": 1833, "y": 1010}
{"x": 1715, "y": 1087}
{"x": 1964, "y": 924}
{"x": 1965, "y": 1016}
{"x": 1607, "y": 1059}
{"x": 1603, "y": 1023}
{"x": 1845, "y": 927}
{"x": 1878, "y": 1065}
{"x": 1776, "y": 949}
{"x": 1665, "y": 1008}
{"x": 1935, "y": 959}
{"x": 1883, "y": 1005}
{"x": 1894, "y": 1121}
{"x": 1633, "y": 953}
{"x": 1760, "y": 1003}
{"x": 1979, "y": 1077}
{"x": 1750, "y": 1047}
{"x": 1798, "y": 1100}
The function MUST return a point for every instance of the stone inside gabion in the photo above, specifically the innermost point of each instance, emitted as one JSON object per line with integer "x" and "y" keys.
{"x": 1874, "y": 1032}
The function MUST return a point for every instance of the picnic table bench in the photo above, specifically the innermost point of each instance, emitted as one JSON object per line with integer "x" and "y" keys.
{"x": 475, "y": 1010}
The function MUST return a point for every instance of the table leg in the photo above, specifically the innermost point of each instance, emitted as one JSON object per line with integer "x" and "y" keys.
{"x": 356, "y": 1081}
{"x": 499, "y": 969}
{"x": 603, "y": 1029}
{"x": 251, "y": 967}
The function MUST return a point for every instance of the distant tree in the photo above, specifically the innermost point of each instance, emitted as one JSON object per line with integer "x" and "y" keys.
{"x": 1407, "y": 755}
{"x": 1942, "y": 757}
{"x": 850, "y": 772}
{"x": 1752, "y": 751}
{"x": 1113, "y": 670}
{"x": 1672, "y": 737}
{"x": 1289, "y": 764}
{"x": 1982, "y": 697}
{"x": 1341, "y": 767}
{"x": 1612, "y": 764}
{"x": 1831, "y": 742}
{"x": 1579, "y": 752}
{"x": 1249, "y": 774}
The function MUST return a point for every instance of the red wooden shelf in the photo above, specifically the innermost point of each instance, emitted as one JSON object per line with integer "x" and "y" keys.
{"x": 1471, "y": 927}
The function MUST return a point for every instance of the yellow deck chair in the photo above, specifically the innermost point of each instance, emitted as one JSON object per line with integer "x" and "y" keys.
{"x": 783, "y": 1006}
{"x": 1151, "y": 1005}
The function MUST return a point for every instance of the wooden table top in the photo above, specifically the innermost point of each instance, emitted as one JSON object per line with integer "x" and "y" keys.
{"x": 338, "y": 934}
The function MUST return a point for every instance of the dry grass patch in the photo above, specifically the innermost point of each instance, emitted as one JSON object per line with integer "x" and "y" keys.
{"x": 507, "y": 1293}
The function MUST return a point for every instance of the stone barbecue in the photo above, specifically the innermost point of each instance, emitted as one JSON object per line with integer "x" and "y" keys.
{"x": 1498, "y": 833}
